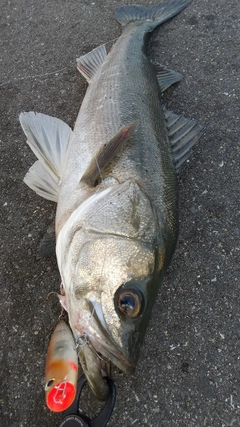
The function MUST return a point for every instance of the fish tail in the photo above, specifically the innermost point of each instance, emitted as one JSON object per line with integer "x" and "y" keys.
{"x": 154, "y": 15}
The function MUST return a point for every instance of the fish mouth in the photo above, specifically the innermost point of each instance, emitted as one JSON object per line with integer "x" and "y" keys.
{"x": 96, "y": 360}
{"x": 97, "y": 352}
{"x": 109, "y": 355}
{"x": 104, "y": 345}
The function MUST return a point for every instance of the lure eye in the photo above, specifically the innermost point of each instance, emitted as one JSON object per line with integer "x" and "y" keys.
{"x": 129, "y": 302}
{"x": 49, "y": 384}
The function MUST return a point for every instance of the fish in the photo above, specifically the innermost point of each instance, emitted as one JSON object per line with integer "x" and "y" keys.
{"x": 61, "y": 373}
{"x": 114, "y": 179}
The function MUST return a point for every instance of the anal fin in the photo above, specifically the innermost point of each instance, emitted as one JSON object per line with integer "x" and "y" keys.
{"x": 166, "y": 77}
{"x": 183, "y": 134}
{"x": 107, "y": 153}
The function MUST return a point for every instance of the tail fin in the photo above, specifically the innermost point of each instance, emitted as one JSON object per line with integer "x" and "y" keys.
{"x": 157, "y": 14}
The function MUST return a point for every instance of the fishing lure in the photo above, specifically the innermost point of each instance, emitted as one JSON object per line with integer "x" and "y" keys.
{"x": 61, "y": 372}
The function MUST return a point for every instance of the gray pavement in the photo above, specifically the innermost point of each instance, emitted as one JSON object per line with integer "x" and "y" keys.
{"x": 189, "y": 370}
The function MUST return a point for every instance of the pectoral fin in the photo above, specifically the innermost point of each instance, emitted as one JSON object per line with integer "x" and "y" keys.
{"x": 47, "y": 245}
{"x": 48, "y": 138}
{"x": 107, "y": 153}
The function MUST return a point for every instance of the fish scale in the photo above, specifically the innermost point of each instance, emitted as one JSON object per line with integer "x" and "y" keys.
{"x": 143, "y": 161}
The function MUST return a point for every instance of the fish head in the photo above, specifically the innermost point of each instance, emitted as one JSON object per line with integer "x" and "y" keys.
{"x": 109, "y": 259}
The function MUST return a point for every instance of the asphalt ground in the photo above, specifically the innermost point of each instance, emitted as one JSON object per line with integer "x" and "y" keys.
{"x": 189, "y": 370}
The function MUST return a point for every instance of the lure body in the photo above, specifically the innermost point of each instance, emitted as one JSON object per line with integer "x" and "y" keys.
{"x": 61, "y": 373}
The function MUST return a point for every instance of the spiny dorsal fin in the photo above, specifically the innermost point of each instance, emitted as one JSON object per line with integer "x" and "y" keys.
{"x": 107, "y": 153}
{"x": 48, "y": 138}
{"x": 90, "y": 63}
{"x": 183, "y": 134}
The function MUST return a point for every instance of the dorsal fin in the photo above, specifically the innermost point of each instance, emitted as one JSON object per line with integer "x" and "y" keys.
{"x": 90, "y": 63}
{"x": 183, "y": 134}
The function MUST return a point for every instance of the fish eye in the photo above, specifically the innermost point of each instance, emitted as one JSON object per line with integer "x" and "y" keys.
{"x": 129, "y": 301}
{"x": 49, "y": 383}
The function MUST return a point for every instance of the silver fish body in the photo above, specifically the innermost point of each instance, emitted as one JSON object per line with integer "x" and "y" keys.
{"x": 116, "y": 189}
{"x": 113, "y": 99}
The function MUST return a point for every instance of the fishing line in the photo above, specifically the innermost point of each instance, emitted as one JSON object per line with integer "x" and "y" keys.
{"x": 47, "y": 74}
{"x": 48, "y": 300}
{"x": 51, "y": 293}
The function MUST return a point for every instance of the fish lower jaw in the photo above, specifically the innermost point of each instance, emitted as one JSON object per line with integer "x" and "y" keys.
{"x": 97, "y": 367}
{"x": 111, "y": 356}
